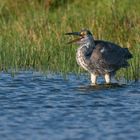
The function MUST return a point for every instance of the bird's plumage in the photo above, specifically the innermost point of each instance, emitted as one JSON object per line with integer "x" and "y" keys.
{"x": 108, "y": 57}
{"x": 99, "y": 57}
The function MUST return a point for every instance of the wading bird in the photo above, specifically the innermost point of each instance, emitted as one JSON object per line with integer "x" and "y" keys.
{"x": 98, "y": 57}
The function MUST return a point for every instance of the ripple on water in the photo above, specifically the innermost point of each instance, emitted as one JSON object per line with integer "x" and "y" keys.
{"x": 35, "y": 106}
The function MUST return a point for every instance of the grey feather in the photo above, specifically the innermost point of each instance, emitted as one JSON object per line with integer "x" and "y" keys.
{"x": 111, "y": 59}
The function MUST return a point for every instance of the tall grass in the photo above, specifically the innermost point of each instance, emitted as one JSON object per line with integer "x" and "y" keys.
{"x": 32, "y": 32}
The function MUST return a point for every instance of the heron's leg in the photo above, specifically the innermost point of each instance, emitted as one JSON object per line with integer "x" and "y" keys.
{"x": 93, "y": 79}
{"x": 108, "y": 78}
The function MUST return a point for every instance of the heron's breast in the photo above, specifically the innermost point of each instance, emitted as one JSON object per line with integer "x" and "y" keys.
{"x": 81, "y": 59}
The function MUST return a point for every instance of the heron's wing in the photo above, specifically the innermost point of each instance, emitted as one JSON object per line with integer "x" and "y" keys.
{"x": 108, "y": 56}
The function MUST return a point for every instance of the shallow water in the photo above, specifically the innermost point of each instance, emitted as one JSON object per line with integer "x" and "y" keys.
{"x": 38, "y": 107}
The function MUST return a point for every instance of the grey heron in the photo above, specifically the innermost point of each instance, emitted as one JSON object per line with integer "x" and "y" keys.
{"x": 98, "y": 57}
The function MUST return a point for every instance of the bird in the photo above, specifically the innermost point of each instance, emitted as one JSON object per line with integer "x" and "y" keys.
{"x": 99, "y": 57}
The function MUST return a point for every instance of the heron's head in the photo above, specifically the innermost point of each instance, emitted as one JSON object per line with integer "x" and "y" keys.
{"x": 84, "y": 37}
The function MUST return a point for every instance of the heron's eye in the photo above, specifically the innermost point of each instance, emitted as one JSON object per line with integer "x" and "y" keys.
{"x": 83, "y": 33}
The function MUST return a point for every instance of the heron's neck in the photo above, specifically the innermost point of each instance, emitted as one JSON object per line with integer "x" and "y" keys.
{"x": 86, "y": 48}
{"x": 83, "y": 55}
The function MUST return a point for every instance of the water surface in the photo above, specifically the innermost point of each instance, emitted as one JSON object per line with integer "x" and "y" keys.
{"x": 38, "y": 107}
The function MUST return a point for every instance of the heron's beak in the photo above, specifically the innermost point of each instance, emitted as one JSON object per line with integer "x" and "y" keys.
{"x": 76, "y": 34}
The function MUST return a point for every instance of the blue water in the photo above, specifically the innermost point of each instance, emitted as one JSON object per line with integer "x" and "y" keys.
{"x": 38, "y": 107}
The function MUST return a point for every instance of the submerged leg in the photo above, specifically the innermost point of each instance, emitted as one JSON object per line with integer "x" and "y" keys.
{"x": 93, "y": 79}
{"x": 107, "y": 78}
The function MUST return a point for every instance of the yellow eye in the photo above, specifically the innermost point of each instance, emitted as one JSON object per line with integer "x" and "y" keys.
{"x": 82, "y": 33}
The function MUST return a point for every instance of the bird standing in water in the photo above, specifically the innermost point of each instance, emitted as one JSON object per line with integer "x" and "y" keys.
{"x": 98, "y": 57}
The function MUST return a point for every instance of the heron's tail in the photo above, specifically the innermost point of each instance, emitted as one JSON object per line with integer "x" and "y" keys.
{"x": 128, "y": 55}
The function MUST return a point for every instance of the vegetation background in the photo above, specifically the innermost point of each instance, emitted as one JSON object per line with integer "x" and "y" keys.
{"x": 32, "y": 32}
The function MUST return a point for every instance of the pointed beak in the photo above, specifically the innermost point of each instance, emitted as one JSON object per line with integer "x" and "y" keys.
{"x": 73, "y": 33}
{"x": 76, "y": 34}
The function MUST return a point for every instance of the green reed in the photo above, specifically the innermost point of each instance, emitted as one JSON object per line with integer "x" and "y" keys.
{"x": 32, "y": 33}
